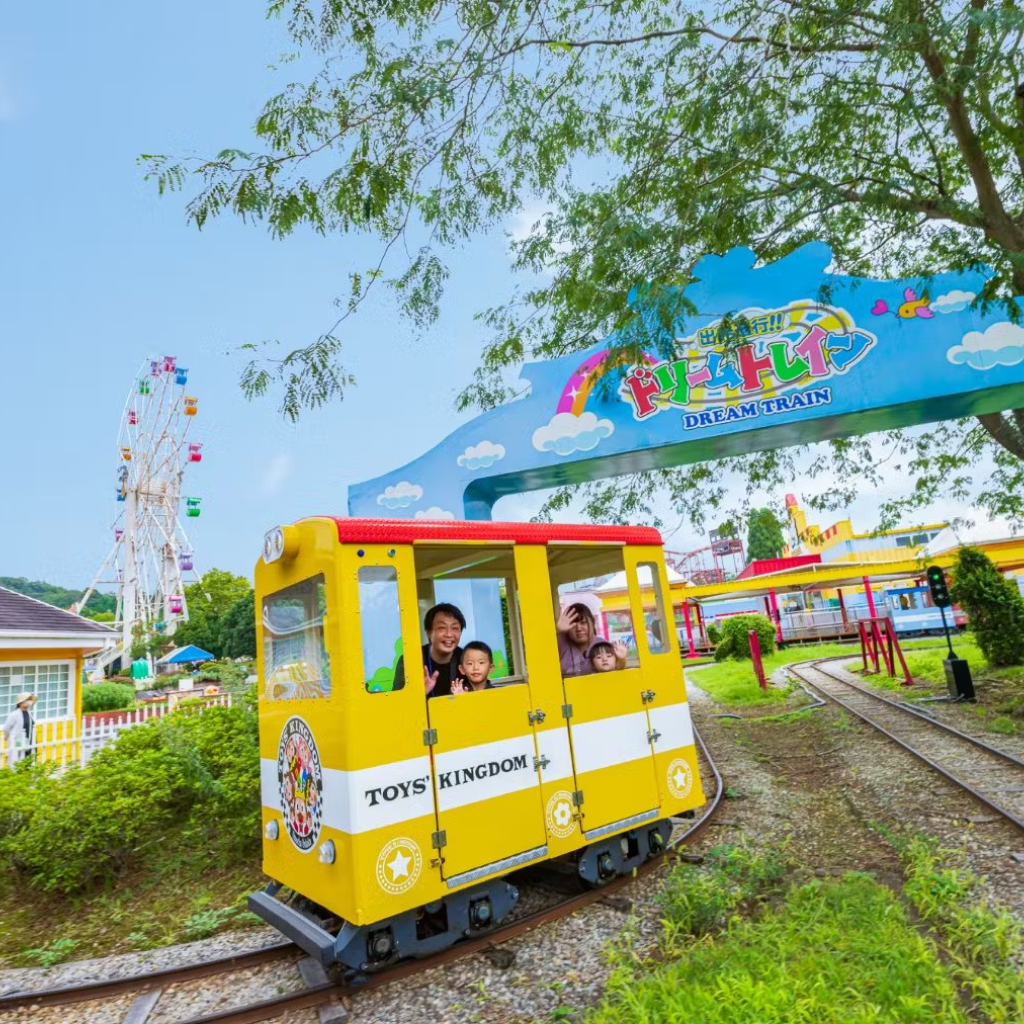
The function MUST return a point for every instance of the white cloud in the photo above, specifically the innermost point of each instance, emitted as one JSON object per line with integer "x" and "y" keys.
{"x": 952, "y": 302}
{"x": 482, "y": 455}
{"x": 277, "y": 472}
{"x": 1002, "y": 344}
{"x": 434, "y": 512}
{"x": 566, "y": 433}
{"x": 401, "y": 495}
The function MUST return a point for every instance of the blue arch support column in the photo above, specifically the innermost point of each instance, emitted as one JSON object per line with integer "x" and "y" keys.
{"x": 766, "y": 356}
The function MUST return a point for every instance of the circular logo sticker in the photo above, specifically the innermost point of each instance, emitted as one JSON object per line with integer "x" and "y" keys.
{"x": 398, "y": 866}
{"x": 680, "y": 778}
{"x": 559, "y": 814}
{"x": 300, "y": 783}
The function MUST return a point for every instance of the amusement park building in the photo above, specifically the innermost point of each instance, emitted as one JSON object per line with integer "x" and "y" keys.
{"x": 42, "y": 650}
{"x": 839, "y": 543}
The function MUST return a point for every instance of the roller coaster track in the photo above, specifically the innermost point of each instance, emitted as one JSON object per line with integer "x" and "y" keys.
{"x": 992, "y": 776}
{"x": 317, "y": 995}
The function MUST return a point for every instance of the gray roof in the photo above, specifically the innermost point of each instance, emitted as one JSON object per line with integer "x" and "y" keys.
{"x": 26, "y": 613}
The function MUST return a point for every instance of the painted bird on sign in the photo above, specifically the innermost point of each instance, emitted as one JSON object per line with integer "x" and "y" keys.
{"x": 912, "y": 307}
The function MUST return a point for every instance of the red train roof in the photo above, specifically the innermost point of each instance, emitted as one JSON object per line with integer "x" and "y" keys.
{"x": 407, "y": 531}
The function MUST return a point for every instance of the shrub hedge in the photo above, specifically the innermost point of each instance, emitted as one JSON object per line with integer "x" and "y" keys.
{"x": 734, "y": 642}
{"x": 994, "y": 607}
{"x": 185, "y": 781}
{"x": 106, "y": 697}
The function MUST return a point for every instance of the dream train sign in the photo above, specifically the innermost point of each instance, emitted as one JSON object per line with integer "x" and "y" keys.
{"x": 768, "y": 356}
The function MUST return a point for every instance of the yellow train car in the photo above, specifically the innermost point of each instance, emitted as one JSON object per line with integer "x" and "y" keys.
{"x": 393, "y": 817}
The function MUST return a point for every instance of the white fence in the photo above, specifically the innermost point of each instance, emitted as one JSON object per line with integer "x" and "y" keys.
{"x": 66, "y": 741}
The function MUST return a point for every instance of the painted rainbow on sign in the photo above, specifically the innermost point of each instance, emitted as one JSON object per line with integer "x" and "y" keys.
{"x": 581, "y": 383}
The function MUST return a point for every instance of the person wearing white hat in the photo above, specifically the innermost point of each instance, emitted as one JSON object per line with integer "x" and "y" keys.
{"x": 19, "y": 728}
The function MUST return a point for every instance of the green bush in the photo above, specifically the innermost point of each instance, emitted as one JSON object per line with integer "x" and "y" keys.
{"x": 734, "y": 642}
{"x": 183, "y": 781}
{"x": 993, "y": 604}
{"x": 106, "y": 697}
{"x": 714, "y": 633}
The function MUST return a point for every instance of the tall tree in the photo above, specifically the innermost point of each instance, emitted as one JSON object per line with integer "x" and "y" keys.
{"x": 209, "y": 600}
{"x": 764, "y": 535}
{"x": 892, "y": 130}
{"x": 238, "y": 629}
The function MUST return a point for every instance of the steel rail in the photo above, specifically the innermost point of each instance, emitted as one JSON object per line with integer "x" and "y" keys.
{"x": 271, "y": 1008}
{"x": 142, "y": 982}
{"x": 317, "y": 995}
{"x": 941, "y": 726}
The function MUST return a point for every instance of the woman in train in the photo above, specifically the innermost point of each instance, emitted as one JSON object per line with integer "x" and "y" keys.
{"x": 576, "y": 632}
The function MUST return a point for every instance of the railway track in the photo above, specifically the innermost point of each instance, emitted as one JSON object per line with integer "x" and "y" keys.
{"x": 992, "y": 776}
{"x": 317, "y": 995}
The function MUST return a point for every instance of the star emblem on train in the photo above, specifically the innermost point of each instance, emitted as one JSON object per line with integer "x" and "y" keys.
{"x": 399, "y": 865}
{"x": 679, "y": 778}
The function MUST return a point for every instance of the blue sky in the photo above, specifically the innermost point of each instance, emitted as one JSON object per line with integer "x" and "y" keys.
{"x": 98, "y": 272}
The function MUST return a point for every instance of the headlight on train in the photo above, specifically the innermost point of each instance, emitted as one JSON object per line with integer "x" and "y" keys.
{"x": 280, "y": 542}
{"x": 326, "y": 852}
{"x": 271, "y": 830}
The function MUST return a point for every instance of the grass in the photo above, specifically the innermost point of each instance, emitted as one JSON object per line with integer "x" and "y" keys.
{"x": 740, "y": 947}
{"x": 176, "y": 901}
{"x": 734, "y": 683}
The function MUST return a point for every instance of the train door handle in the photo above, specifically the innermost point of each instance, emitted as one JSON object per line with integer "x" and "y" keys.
{"x": 540, "y": 762}
{"x": 653, "y": 736}
{"x": 536, "y": 716}
{"x": 647, "y": 696}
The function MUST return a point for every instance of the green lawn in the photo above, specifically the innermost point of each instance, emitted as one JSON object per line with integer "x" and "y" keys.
{"x": 833, "y": 951}
{"x": 733, "y": 682}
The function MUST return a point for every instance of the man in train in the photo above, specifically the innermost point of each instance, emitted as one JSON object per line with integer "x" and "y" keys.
{"x": 442, "y": 654}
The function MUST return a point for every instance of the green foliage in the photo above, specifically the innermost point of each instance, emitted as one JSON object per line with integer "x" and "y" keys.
{"x": 735, "y": 642}
{"x": 836, "y": 950}
{"x": 106, "y": 697}
{"x": 53, "y": 953}
{"x": 714, "y": 633}
{"x": 237, "y": 628}
{"x": 61, "y": 597}
{"x": 993, "y": 604}
{"x": 764, "y": 535}
{"x": 984, "y": 944}
{"x": 187, "y": 779}
{"x": 892, "y": 132}
{"x": 211, "y": 601}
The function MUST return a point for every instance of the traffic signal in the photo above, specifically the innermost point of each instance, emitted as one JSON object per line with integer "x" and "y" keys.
{"x": 937, "y": 585}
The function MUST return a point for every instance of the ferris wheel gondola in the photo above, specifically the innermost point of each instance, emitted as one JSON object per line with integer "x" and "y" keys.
{"x": 152, "y": 552}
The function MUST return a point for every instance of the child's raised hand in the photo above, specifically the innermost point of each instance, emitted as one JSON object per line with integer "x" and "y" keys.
{"x": 620, "y": 650}
{"x": 457, "y": 686}
{"x": 566, "y": 620}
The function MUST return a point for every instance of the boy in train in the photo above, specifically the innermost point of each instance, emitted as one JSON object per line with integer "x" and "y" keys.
{"x": 475, "y": 667}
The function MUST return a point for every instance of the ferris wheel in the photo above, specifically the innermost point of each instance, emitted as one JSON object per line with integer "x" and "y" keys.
{"x": 151, "y": 557}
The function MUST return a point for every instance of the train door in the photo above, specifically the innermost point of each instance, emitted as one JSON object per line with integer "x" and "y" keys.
{"x": 610, "y": 736}
{"x": 486, "y": 781}
{"x": 670, "y": 730}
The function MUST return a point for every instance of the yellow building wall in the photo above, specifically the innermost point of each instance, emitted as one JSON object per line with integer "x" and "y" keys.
{"x": 56, "y": 739}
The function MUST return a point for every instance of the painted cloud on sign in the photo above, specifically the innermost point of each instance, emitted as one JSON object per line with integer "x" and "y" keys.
{"x": 566, "y": 433}
{"x": 1002, "y": 344}
{"x": 434, "y": 512}
{"x": 482, "y": 455}
{"x": 952, "y": 302}
{"x": 401, "y": 495}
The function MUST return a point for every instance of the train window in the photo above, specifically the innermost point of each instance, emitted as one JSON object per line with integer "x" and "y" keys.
{"x": 481, "y": 583}
{"x": 656, "y": 622}
{"x": 380, "y": 625}
{"x": 596, "y": 578}
{"x": 295, "y": 660}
